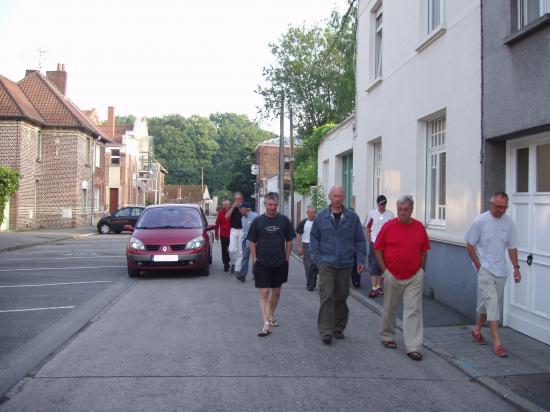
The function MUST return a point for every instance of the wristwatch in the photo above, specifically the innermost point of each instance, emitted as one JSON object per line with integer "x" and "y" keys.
{"x": 516, "y": 267}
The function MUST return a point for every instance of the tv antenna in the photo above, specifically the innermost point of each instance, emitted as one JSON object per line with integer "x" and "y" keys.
{"x": 41, "y": 56}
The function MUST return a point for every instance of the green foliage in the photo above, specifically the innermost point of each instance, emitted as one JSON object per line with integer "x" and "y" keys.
{"x": 223, "y": 145}
{"x": 123, "y": 120}
{"x": 314, "y": 68}
{"x": 305, "y": 169}
{"x": 319, "y": 198}
{"x": 222, "y": 195}
{"x": 9, "y": 183}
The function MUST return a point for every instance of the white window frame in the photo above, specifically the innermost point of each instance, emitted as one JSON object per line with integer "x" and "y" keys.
{"x": 377, "y": 170}
{"x": 523, "y": 11}
{"x": 432, "y": 26}
{"x": 378, "y": 46}
{"x": 115, "y": 157}
{"x": 97, "y": 153}
{"x": 436, "y": 148}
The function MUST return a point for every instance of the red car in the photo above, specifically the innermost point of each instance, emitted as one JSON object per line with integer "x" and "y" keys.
{"x": 170, "y": 237}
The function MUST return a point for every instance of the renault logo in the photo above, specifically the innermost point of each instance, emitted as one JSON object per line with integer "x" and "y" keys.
{"x": 164, "y": 248}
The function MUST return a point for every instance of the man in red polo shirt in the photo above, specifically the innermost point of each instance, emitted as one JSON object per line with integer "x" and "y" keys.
{"x": 401, "y": 249}
{"x": 223, "y": 229}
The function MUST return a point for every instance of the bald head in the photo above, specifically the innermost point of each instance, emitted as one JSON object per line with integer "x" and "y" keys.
{"x": 336, "y": 197}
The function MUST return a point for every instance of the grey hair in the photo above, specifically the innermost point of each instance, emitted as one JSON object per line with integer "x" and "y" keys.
{"x": 310, "y": 207}
{"x": 498, "y": 194}
{"x": 274, "y": 196}
{"x": 405, "y": 199}
{"x": 238, "y": 194}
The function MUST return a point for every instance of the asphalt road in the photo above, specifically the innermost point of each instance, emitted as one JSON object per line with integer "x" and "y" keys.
{"x": 189, "y": 343}
{"x": 46, "y": 287}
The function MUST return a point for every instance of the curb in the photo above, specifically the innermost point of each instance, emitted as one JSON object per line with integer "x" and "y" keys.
{"x": 475, "y": 375}
{"x": 45, "y": 241}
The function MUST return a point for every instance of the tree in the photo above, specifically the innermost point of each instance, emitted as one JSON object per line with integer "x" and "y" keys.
{"x": 314, "y": 70}
{"x": 123, "y": 120}
{"x": 305, "y": 171}
{"x": 240, "y": 178}
{"x": 9, "y": 184}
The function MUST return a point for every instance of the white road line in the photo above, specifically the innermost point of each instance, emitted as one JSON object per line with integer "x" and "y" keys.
{"x": 72, "y": 257}
{"x": 74, "y": 267}
{"x": 55, "y": 284}
{"x": 32, "y": 309}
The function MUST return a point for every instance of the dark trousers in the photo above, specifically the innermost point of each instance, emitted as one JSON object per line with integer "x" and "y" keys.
{"x": 355, "y": 276}
{"x": 333, "y": 291}
{"x": 225, "y": 251}
{"x": 309, "y": 267}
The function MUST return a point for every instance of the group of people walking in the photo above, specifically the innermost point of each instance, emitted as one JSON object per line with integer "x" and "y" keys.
{"x": 334, "y": 243}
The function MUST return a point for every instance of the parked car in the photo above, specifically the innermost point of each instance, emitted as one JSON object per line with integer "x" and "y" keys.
{"x": 120, "y": 218}
{"x": 170, "y": 237}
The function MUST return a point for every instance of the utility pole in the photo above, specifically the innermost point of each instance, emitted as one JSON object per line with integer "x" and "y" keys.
{"x": 282, "y": 157}
{"x": 291, "y": 167}
{"x": 202, "y": 187}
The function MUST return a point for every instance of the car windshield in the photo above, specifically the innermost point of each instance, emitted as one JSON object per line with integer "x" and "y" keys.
{"x": 170, "y": 218}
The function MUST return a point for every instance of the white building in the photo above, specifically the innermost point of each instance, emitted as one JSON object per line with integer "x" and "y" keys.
{"x": 418, "y": 126}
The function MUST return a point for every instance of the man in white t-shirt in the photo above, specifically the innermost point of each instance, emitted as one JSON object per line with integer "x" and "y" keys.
{"x": 490, "y": 235}
{"x": 374, "y": 221}
{"x": 302, "y": 233}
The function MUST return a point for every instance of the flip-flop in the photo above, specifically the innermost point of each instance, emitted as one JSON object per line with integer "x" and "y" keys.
{"x": 417, "y": 356}
{"x": 266, "y": 330}
{"x": 390, "y": 344}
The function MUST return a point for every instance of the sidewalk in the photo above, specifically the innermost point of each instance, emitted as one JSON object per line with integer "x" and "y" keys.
{"x": 522, "y": 378}
{"x": 17, "y": 240}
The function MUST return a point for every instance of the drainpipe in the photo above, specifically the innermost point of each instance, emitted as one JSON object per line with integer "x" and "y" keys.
{"x": 482, "y": 143}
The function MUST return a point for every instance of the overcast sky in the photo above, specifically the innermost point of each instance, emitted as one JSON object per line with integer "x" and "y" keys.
{"x": 153, "y": 57}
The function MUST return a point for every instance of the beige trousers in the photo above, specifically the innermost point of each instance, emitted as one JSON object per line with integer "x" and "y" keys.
{"x": 411, "y": 292}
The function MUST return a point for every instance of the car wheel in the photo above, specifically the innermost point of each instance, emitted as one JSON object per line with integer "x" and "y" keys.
{"x": 133, "y": 273}
{"x": 205, "y": 271}
{"x": 104, "y": 229}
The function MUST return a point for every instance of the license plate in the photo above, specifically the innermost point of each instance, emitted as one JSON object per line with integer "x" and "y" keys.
{"x": 165, "y": 258}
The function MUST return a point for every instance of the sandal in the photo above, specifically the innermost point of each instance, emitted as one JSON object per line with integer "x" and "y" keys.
{"x": 266, "y": 330}
{"x": 417, "y": 356}
{"x": 273, "y": 323}
{"x": 373, "y": 293}
{"x": 390, "y": 344}
{"x": 501, "y": 352}
{"x": 478, "y": 338}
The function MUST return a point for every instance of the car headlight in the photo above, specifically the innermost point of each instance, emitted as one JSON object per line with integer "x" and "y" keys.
{"x": 195, "y": 243}
{"x": 136, "y": 244}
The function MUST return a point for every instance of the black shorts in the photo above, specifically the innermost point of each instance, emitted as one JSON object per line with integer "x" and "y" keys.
{"x": 269, "y": 276}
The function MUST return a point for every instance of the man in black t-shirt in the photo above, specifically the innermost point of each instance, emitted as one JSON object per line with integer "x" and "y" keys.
{"x": 270, "y": 238}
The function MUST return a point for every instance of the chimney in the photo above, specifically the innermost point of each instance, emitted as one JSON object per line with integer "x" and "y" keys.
{"x": 111, "y": 121}
{"x": 58, "y": 78}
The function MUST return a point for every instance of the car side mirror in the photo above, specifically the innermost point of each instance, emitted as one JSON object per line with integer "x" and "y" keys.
{"x": 128, "y": 228}
{"x": 211, "y": 227}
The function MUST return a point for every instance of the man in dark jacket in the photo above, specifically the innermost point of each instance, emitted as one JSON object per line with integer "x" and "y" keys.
{"x": 336, "y": 233}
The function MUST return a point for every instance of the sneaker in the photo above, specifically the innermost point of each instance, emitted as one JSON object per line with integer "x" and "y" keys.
{"x": 327, "y": 339}
{"x": 241, "y": 278}
{"x": 226, "y": 268}
{"x": 232, "y": 268}
{"x": 373, "y": 293}
{"x": 357, "y": 284}
{"x": 478, "y": 338}
{"x": 237, "y": 273}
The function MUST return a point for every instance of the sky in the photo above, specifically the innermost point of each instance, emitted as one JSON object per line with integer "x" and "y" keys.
{"x": 154, "y": 57}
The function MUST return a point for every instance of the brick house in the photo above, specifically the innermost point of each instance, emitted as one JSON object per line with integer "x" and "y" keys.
{"x": 57, "y": 150}
{"x": 195, "y": 194}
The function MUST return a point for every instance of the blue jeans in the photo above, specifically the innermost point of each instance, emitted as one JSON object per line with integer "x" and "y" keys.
{"x": 246, "y": 257}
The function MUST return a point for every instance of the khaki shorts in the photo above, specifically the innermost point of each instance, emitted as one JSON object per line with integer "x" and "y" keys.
{"x": 490, "y": 289}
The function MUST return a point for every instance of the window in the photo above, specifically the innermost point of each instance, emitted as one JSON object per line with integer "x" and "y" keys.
{"x": 39, "y": 146}
{"x": 378, "y": 24}
{"x": 97, "y": 199}
{"x": 436, "y": 172}
{"x": 97, "y": 150}
{"x": 115, "y": 157}
{"x": 123, "y": 212}
{"x": 530, "y": 10}
{"x": 522, "y": 170}
{"x": 543, "y": 168}
{"x": 377, "y": 170}
{"x": 84, "y": 200}
{"x": 435, "y": 14}
{"x": 347, "y": 178}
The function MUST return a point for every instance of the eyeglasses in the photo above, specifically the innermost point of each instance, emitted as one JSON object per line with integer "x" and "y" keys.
{"x": 500, "y": 207}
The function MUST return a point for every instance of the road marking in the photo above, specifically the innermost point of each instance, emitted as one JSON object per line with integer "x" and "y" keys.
{"x": 74, "y": 267}
{"x": 55, "y": 284}
{"x": 72, "y": 257}
{"x": 33, "y": 309}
